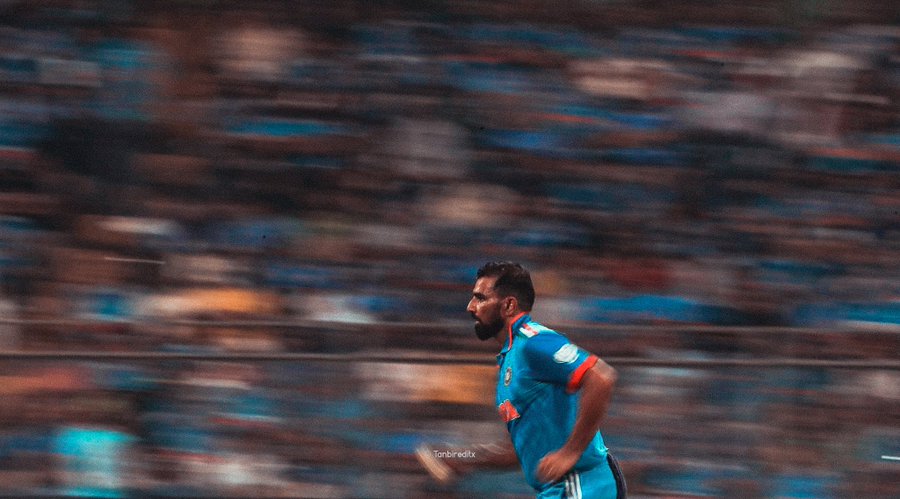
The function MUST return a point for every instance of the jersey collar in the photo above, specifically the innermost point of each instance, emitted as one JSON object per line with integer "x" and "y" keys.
{"x": 514, "y": 325}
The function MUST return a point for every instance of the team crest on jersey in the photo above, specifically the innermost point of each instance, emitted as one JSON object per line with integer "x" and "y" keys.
{"x": 566, "y": 354}
{"x": 507, "y": 376}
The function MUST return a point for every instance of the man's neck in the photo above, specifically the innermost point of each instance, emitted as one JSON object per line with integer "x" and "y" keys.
{"x": 504, "y": 334}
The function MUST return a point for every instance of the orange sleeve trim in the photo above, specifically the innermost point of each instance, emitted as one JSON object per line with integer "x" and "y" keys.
{"x": 578, "y": 375}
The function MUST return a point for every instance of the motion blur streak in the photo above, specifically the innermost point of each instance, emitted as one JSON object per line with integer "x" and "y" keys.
{"x": 272, "y": 176}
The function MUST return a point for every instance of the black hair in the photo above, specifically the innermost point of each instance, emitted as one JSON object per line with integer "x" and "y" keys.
{"x": 512, "y": 280}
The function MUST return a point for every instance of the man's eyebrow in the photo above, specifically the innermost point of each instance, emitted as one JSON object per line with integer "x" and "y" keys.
{"x": 478, "y": 295}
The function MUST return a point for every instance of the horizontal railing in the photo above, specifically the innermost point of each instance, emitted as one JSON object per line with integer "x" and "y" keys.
{"x": 431, "y": 358}
{"x": 408, "y": 342}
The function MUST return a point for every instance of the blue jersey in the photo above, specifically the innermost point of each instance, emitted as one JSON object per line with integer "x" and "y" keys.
{"x": 539, "y": 374}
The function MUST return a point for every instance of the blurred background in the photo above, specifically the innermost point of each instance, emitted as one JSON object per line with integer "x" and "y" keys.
{"x": 691, "y": 184}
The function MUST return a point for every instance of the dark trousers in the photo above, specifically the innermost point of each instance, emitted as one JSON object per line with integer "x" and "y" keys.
{"x": 617, "y": 474}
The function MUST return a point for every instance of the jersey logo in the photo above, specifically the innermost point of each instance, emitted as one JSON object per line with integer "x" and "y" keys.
{"x": 528, "y": 331}
{"x": 507, "y": 377}
{"x": 566, "y": 354}
{"x": 507, "y": 411}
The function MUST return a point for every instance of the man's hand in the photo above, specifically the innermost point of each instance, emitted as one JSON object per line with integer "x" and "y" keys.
{"x": 446, "y": 463}
{"x": 596, "y": 391}
{"x": 436, "y": 467}
{"x": 556, "y": 464}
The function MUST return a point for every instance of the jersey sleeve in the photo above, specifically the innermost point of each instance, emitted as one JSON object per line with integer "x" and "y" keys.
{"x": 554, "y": 359}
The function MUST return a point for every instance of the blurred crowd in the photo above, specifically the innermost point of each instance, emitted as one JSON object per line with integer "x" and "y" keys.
{"x": 180, "y": 428}
{"x": 353, "y": 164}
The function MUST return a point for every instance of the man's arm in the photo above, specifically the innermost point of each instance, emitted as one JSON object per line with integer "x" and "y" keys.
{"x": 499, "y": 455}
{"x": 596, "y": 393}
{"x": 444, "y": 463}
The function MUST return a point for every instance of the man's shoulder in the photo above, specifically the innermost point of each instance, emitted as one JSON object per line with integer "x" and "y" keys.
{"x": 530, "y": 329}
{"x": 540, "y": 343}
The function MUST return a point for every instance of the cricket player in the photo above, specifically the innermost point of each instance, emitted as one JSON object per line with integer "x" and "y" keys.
{"x": 551, "y": 394}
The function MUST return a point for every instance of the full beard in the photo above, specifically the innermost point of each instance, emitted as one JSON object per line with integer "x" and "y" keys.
{"x": 487, "y": 331}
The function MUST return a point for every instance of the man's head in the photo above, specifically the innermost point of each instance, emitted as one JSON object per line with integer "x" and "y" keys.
{"x": 502, "y": 291}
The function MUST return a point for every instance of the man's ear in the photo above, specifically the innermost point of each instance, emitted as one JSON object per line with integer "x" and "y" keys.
{"x": 510, "y": 305}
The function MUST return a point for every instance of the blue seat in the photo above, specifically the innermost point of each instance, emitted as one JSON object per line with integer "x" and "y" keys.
{"x": 883, "y": 313}
{"x": 253, "y": 233}
{"x": 526, "y": 140}
{"x": 34, "y": 440}
{"x": 285, "y": 274}
{"x": 727, "y": 35}
{"x": 804, "y": 486}
{"x": 18, "y": 69}
{"x": 885, "y": 139}
{"x": 285, "y": 128}
{"x": 508, "y": 484}
{"x": 547, "y": 237}
{"x": 630, "y": 446}
{"x": 683, "y": 480}
{"x": 820, "y": 314}
{"x": 108, "y": 305}
{"x": 316, "y": 162}
{"x": 569, "y": 41}
{"x": 17, "y": 133}
{"x": 15, "y": 227}
{"x": 848, "y": 165}
{"x": 644, "y": 308}
{"x": 796, "y": 271}
{"x": 645, "y": 156}
{"x": 876, "y": 442}
{"x": 181, "y": 432}
{"x": 584, "y": 196}
{"x": 379, "y": 304}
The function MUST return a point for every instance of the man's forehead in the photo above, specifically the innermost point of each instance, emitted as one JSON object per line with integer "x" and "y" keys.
{"x": 485, "y": 285}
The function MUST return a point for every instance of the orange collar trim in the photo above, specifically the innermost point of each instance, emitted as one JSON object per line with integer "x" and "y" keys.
{"x": 510, "y": 327}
